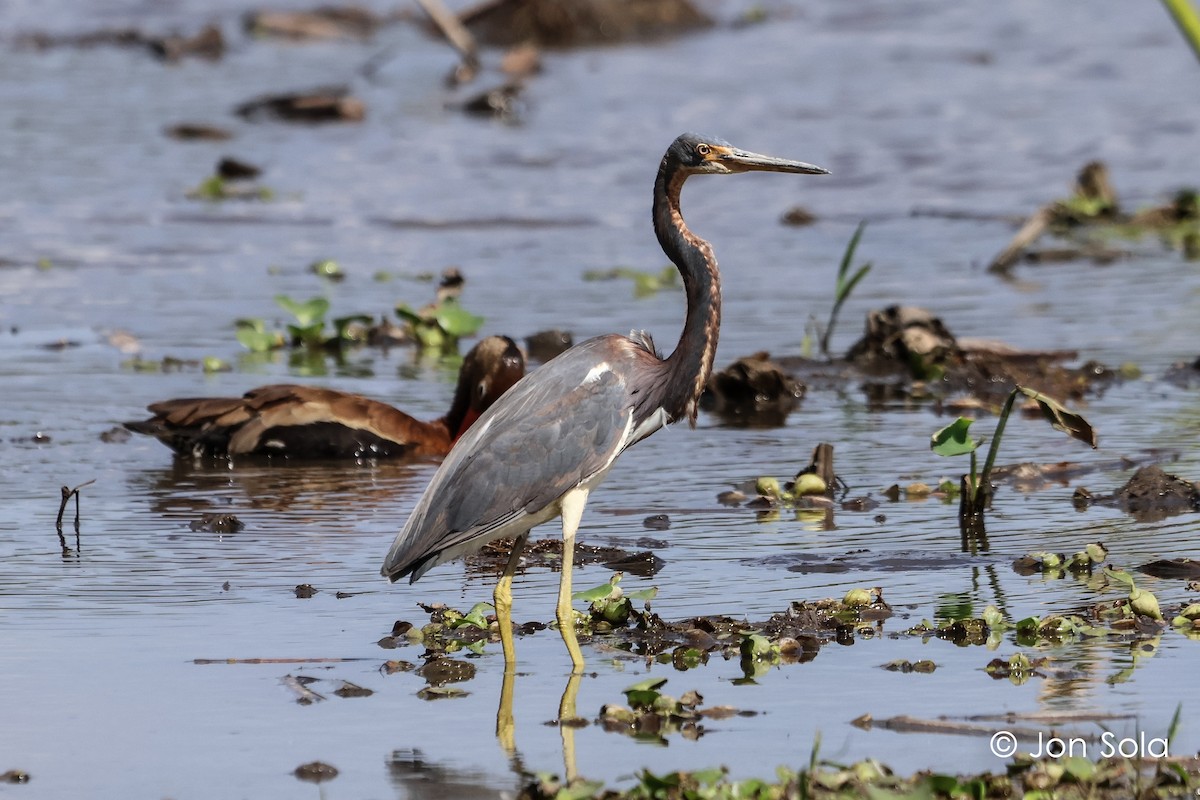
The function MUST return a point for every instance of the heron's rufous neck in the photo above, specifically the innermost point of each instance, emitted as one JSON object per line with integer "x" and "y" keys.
{"x": 691, "y": 363}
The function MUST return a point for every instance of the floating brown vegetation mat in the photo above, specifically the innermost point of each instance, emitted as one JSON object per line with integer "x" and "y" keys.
{"x": 907, "y": 353}
{"x": 1093, "y": 205}
{"x": 325, "y": 22}
{"x": 323, "y": 104}
{"x": 1108, "y": 778}
{"x": 912, "y": 345}
{"x": 753, "y": 391}
{"x": 1150, "y": 495}
{"x": 571, "y": 23}
{"x": 642, "y": 562}
{"x": 208, "y": 43}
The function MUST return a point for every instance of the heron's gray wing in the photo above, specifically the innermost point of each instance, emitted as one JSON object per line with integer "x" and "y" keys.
{"x": 552, "y": 431}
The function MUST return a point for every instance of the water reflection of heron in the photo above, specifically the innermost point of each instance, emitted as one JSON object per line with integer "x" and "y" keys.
{"x": 310, "y": 422}
{"x": 539, "y": 451}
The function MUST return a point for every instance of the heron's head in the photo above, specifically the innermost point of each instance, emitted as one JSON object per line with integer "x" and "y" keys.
{"x": 699, "y": 155}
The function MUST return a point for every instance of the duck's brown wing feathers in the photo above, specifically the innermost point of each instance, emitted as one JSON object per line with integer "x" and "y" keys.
{"x": 298, "y": 421}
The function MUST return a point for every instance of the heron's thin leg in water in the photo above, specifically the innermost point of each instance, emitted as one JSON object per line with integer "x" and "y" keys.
{"x": 566, "y": 724}
{"x": 502, "y": 599}
{"x": 505, "y": 726}
{"x": 572, "y": 512}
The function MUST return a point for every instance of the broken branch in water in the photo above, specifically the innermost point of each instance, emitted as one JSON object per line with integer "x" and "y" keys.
{"x": 67, "y": 493}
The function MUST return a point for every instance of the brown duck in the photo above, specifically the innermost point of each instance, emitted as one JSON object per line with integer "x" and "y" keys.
{"x": 311, "y": 422}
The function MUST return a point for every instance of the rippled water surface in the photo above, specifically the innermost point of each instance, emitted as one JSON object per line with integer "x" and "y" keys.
{"x": 913, "y": 106}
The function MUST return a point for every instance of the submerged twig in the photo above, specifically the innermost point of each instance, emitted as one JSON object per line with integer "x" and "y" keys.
{"x": 67, "y": 493}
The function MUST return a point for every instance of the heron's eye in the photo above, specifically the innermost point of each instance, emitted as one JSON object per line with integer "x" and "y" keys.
{"x": 703, "y": 150}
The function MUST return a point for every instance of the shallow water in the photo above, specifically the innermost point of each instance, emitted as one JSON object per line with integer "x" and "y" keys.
{"x": 911, "y": 105}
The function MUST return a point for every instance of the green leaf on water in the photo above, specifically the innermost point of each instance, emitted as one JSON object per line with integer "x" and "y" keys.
{"x": 257, "y": 340}
{"x": 308, "y": 335}
{"x": 644, "y": 693}
{"x": 327, "y": 268}
{"x": 644, "y": 594}
{"x": 342, "y": 324}
{"x": 456, "y": 320}
{"x": 595, "y": 593}
{"x": 306, "y": 313}
{"x": 478, "y": 614}
{"x": 993, "y": 617}
{"x": 954, "y": 439}
{"x": 1119, "y": 575}
{"x": 755, "y": 646}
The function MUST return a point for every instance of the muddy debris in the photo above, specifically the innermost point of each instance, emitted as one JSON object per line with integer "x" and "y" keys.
{"x": 208, "y": 43}
{"x": 348, "y": 689}
{"x": 441, "y": 670}
{"x": 387, "y": 333}
{"x": 912, "y": 352}
{"x": 753, "y": 391}
{"x": 791, "y": 636}
{"x": 657, "y": 522}
{"x": 217, "y": 523}
{"x": 548, "y": 553}
{"x": 1184, "y": 374}
{"x": 1112, "y": 778}
{"x": 323, "y": 104}
{"x": 1173, "y": 569}
{"x": 1093, "y": 202}
{"x": 798, "y": 215}
{"x": 115, "y": 435}
{"x": 197, "y": 132}
{"x": 545, "y": 345}
{"x": 315, "y": 772}
{"x": 1086, "y": 561}
{"x": 652, "y": 716}
{"x": 1017, "y": 668}
{"x": 233, "y": 169}
{"x": 575, "y": 23}
{"x": 320, "y": 24}
{"x": 1149, "y": 496}
{"x": 502, "y": 103}
{"x": 924, "y": 666}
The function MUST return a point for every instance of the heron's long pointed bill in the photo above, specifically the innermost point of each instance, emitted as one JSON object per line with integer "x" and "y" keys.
{"x": 743, "y": 161}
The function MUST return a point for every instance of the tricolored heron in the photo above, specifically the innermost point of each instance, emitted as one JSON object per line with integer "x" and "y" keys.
{"x": 311, "y": 422}
{"x": 552, "y": 438}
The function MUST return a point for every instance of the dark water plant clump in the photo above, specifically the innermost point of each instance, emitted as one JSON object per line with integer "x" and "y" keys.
{"x": 753, "y": 391}
{"x": 1092, "y": 214}
{"x": 1151, "y": 494}
{"x": 1072, "y": 778}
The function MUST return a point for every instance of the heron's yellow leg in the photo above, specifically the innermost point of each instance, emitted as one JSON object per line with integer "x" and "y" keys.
{"x": 566, "y": 724}
{"x": 505, "y": 727}
{"x": 572, "y": 512}
{"x": 502, "y": 599}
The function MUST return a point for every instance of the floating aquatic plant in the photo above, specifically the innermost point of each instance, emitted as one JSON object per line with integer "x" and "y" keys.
{"x": 645, "y": 283}
{"x": 308, "y": 328}
{"x": 440, "y": 325}
{"x": 955, "y": 440}
{"x": 844, "y": 286}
